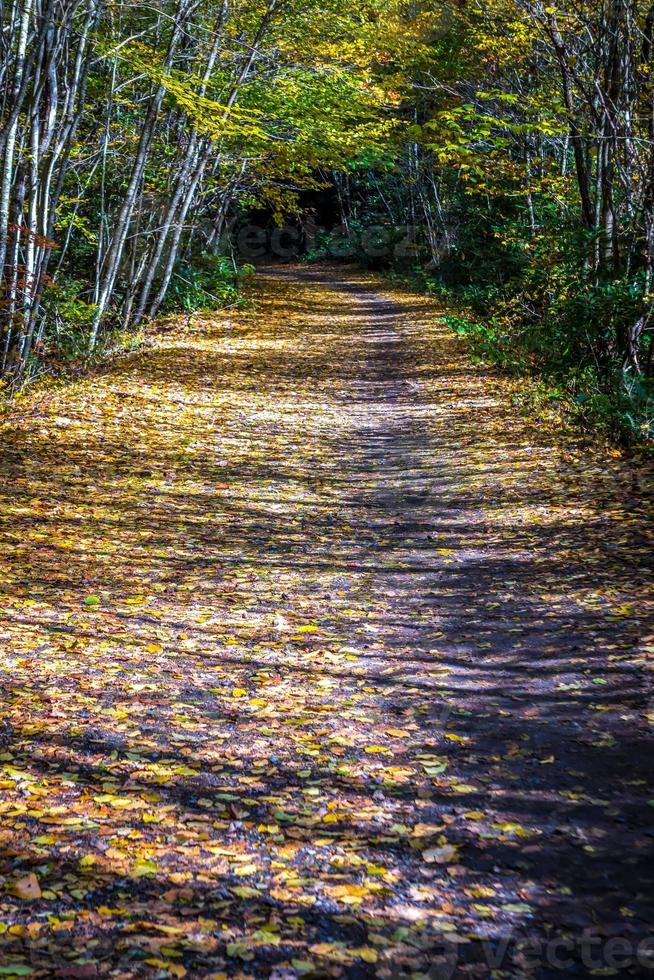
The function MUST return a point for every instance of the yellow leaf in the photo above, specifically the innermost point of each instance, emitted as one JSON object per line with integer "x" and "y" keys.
{"x": 367, "y": 954}
{"x": 176, "y": 969}
{"x": 245, "y": 891}
{"x": 332, "y": 951}
{"x": 246, "y": 869}
{"x": 143, "y": 868}
{"x": 626, "y": 609}
{"x": 426, "y": 829}
{"x": 357, "y": 892}
{"x": 512, "y": 828}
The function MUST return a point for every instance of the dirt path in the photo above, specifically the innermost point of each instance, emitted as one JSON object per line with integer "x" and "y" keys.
{"x": 320, "y": 657}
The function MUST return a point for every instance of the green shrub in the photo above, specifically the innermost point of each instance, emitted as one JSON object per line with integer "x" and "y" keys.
{"x": 206, "y": 283}
{"x": 68, "y": 320}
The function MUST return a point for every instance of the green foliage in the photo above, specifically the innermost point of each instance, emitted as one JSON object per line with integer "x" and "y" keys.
{"x": 488, "y": 342}
{"x": 368, "y": 243}
{"x": 164, "y": 122}
{"x": 209, "y": 282}
{"x": 616, "y": 403}
{"x": 67, "y": 321}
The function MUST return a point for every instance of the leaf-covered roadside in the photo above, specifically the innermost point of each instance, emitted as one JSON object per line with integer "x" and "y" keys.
{"x": 317, "y": 659}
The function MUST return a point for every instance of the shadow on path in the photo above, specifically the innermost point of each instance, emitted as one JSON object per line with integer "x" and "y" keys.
{"x": 320, "y": 658}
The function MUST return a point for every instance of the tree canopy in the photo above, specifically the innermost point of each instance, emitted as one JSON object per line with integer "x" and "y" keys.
{"x": 516, "y": 137}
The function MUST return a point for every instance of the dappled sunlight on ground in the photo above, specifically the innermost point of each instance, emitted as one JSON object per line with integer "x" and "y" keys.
{"x": 319, "y": 656}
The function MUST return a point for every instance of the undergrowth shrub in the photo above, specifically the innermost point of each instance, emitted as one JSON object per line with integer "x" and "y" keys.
{"x": 206, "y": 283}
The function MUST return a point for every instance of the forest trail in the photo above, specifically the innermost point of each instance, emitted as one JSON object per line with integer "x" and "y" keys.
{"x": 320, "y": 656}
